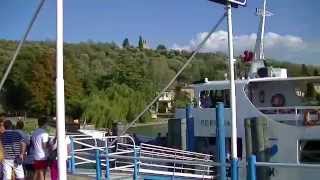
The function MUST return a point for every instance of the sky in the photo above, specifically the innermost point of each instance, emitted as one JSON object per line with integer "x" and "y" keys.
{"x": 292, "y": 34}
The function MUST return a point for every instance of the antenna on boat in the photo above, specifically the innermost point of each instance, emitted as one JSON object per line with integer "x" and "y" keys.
{"x": 259, "y": 47}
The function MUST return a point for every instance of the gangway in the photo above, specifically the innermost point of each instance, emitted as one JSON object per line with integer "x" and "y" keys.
{"x": 97, "y": 157}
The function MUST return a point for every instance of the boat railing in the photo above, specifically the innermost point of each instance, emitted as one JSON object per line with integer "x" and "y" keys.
{"x": 253, "y": 164}
{"x": 292, "y": 115}
{"x": 288, "y": 109}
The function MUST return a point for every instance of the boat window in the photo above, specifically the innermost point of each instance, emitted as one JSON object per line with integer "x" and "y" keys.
{"x": 209, "y": 98}
{"x": 299, "y": 92}
{"x": 309, "y": 151}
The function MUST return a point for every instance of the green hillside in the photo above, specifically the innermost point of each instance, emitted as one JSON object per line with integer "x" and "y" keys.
{"x": 103, "y": 82}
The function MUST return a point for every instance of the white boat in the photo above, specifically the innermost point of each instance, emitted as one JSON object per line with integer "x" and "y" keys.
{"x": 289, "y": 106}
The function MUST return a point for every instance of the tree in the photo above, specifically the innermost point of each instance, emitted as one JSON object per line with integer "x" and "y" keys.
{"x": 140, "y": 44}
{"x": 42, "y": 84}
{"x": 73, "y": 90}
{"x": 304, "y": 70}
{"x": 182, "y": 99}
{"x": 116, "y": 103}
{"x": 316, "y": 72}
{"x": 161, "y": 47}
{"x": 126, "y": 43}
{"x": 160, "y": 72}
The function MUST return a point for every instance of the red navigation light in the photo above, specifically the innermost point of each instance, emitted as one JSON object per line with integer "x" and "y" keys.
{"x": 247, "y": 56}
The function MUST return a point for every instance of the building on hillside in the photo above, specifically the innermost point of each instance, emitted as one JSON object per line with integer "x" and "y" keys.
{"x": 165, "y": 102}
{"x": 145, "y": 44}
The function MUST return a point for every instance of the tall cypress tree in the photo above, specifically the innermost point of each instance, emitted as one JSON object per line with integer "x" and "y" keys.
{"x": 304, "y": 70}
{"x": 315, "y": 72}
{"x": 140, "y": 42}
{"x": 126, "y": 43}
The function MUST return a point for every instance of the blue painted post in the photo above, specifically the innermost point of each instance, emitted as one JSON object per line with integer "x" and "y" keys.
{"x": 190, "y": 129}
{"x": 234, "y": 169}
{"x": 107, "y": 161}
{"x": 251, "y": 170}
{"x": 135, "y": 166}
{"x": 72, "y": 153}
{"x": 98, "y": 165}
{"x": 221, "y": 141}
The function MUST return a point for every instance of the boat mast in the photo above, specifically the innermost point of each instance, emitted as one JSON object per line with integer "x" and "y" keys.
{"x": 258, "y": 50}
{"x": 258, "y": 61}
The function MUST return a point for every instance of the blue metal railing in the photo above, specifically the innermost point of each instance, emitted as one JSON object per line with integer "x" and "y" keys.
{"x": 252, "y": 166}
{"x": 150, "y": 159}
{"x": 146, "y": 159}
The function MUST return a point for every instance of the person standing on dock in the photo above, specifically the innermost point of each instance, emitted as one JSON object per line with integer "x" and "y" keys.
{"x": 28, "y": 160}
{"x": 40, "y": 139}
{"x": 14, "y": 151}
{"x": 25, "y": 135}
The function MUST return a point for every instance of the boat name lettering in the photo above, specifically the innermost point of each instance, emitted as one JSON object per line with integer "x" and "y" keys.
{"x": 206, "y": 122}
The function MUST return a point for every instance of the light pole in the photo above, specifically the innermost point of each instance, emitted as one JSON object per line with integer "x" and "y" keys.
{"x": 234, "y": 155}
{"x": 60, "y": 104}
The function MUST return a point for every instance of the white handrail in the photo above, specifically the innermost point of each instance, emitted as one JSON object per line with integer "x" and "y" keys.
{"x": 171, "y": 167}
{"x": 143, "y": 145}
{"x": 169, "y": 155}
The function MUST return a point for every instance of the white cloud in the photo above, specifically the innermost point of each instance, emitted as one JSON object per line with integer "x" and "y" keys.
{"x": 283, "y": 47}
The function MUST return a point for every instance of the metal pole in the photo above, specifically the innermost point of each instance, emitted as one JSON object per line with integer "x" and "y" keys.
{"x": 233, "y": 96}
{"x": 248, "y": 136}
{"x": 62, "y": 147}
{"x": 107, "y": 161}
{"x": 190, "y": 128}
{"x": 252, "y": 167}
{"x": 73, "y": 162}
{"x": 232, "y": 86}
{"x": 221, "y": 144}
{"x": 135, "y": 166}
{"x": 98, "y": 165}
{"x": 34, "y": 17}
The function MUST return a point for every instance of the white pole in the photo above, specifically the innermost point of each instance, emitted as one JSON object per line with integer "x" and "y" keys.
{"x": 62, "y": 149}
{"x": 232, "y": 87}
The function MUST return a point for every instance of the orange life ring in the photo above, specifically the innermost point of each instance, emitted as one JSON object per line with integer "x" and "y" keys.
{"x": 307, "y": 119}
{"x": 278, "y": 100}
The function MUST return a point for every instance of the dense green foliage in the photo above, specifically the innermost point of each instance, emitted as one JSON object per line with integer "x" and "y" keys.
{"x": 103, "y": 82}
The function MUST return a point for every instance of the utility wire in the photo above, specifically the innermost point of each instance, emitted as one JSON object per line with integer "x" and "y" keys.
{"x": 34, "y": 17}
{"x": 175, "y": 77}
